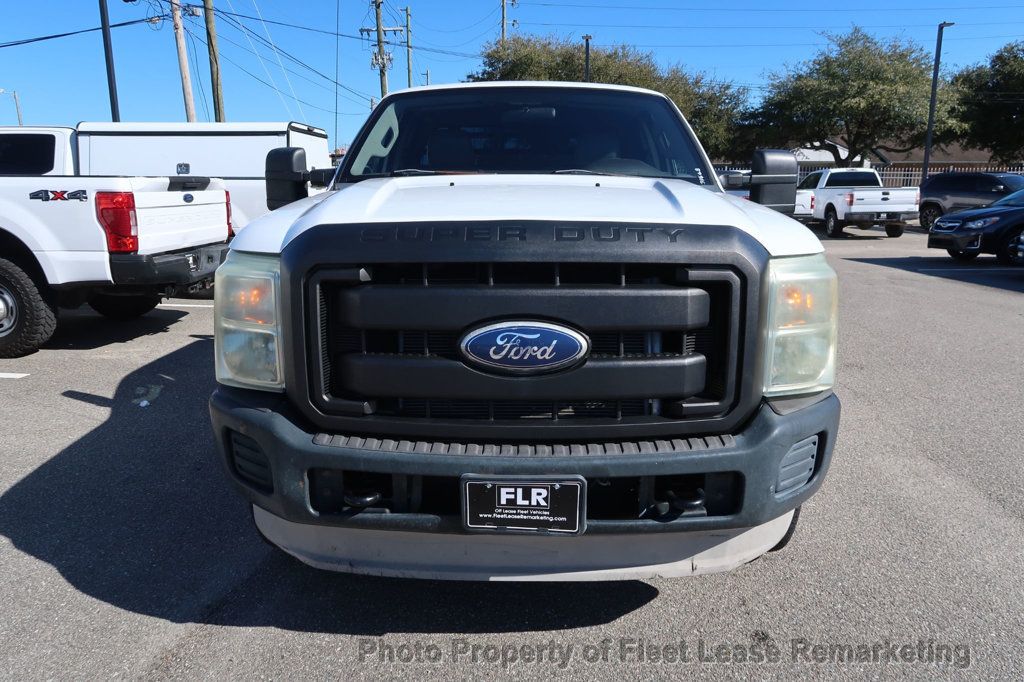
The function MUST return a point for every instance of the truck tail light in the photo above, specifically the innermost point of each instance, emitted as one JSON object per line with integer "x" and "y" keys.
{"x": 849, "y": 198}
{"x": 812, "y": 202}
{"x": 115, "y": 212}
{"x": 917, "y": 198}
{"x": 227, "y": 202}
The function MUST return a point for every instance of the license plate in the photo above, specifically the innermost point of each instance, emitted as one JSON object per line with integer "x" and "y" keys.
{"x": 524, "y": 504}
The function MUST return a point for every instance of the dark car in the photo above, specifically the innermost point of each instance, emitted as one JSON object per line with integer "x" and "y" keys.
{"x": 994, "y": 229}
{"x": 948, "y": 192}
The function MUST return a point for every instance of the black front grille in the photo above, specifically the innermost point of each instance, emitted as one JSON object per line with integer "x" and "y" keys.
{"x": 385, "y": 330}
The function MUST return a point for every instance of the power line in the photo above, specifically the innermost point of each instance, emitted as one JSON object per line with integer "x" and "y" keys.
{"x": 663, "y": 8}
{"x": 231, "y": 20}
{"x": 199, "y": 77}
{"x": 278, "y": 55}
{"x": 464, "y": 28}
{"x": 697, "y": 27}
{"x": 791, "y": 44}
{"x": 53, "y": 36}
{"x": 265, "y": 69}
{"x": 490, "y": 29}
{"x": 337, "y": 65}
{"x": 273, "y": 87}
{"x": 350, "y": 36}
{"x": 360, "y": 101}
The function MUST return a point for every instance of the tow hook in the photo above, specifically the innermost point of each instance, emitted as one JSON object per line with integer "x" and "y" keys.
{"x": 361, "y": 500}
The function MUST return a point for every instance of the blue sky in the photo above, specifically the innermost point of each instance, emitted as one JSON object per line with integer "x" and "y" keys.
{"x": 63, "y": 81}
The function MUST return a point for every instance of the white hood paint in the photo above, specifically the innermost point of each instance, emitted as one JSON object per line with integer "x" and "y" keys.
{"x": 588, "y": 198}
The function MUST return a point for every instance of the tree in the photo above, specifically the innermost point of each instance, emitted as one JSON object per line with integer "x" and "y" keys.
{"x": 861, "y": 93}
{"x": 713, "y": 108}
{"x": 991, "y": 104}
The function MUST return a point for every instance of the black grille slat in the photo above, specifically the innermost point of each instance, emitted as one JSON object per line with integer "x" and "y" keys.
{"x": 444, "y": 308}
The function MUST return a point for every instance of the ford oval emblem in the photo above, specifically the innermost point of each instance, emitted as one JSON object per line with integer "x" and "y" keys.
{"x": 188, "y": 198}
{"x": 518, "y": 347}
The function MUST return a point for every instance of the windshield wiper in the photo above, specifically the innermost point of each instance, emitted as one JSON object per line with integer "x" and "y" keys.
{"x": 413, "y": 171}
{"x": 577, "y": 171}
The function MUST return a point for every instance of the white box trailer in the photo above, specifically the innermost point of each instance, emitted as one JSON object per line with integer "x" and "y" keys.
{"x": 234, "y": 152}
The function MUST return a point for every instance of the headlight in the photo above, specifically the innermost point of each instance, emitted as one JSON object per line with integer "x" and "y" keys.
{"x": 247, "y": 322}
{"x": 978, "y": 224}
{"x": 800, "y": 330}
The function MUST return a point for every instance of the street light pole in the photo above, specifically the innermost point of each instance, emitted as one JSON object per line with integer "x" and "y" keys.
{"x": 931, "y": 104}
{"x": 586, "y": 57}
{"x": 17, "y": 104}
{"x": 108, "y": 53}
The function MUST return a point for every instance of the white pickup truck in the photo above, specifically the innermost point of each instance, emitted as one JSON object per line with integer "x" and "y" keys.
{"x": 116, "y": 243}
{"x": 525, "y": 335}
{"x": 844, "y": 196}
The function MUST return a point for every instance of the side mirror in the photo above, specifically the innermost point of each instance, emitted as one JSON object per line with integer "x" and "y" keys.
{"x": 321, "y": 177}
{"x": 286, "y": 176}
{"x": 773, "y": 178}
{"x": 999, "y": 188}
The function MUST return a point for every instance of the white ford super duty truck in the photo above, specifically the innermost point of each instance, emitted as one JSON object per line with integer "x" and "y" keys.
{"x": 525, "y": 335}
{"x": 116, "y": 243}
{"x": 854, "y": 196}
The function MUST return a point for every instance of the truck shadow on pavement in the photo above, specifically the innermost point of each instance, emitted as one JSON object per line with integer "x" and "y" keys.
{"x": 139, "y": 514}
{"x": 985, "y": 271}
{"x": 83, "y": 329}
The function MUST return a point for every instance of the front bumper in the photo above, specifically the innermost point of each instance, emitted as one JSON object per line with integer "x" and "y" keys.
{"x": 179, "y": 269}
{"x": 958, "y": 241}
{"x": 755, "y": 454}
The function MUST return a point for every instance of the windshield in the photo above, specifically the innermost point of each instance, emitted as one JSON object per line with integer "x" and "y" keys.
{"x": 527, "y": 130}
{"x": 1015, "y": 199}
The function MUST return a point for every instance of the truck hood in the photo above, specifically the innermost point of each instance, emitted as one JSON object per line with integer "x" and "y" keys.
{"x": 564, "y": 198}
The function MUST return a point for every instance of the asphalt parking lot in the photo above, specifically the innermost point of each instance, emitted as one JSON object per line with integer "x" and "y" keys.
{"x": 124, "y": 552}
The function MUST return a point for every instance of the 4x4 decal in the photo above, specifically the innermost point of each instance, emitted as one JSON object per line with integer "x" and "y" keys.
{"x": 59, "y": 195}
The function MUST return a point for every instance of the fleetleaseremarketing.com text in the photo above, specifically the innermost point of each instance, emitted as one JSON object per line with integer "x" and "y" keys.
{"x": 562, "y": 654}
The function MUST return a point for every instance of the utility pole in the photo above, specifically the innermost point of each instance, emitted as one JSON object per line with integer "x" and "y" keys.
{"x": 186, "y": 79}
{"x": 108, "y": 53}
{"x": 17, "y": 104}
{"x": 932, "y": 102}
{"x": 211, "y": 44}
{"x": 408, "y": 45}
{"x": 381, "y": 58}
{"x": 427, "y": 74}
{"x": 504, "y": 18}
{"x": 586, "y": 57}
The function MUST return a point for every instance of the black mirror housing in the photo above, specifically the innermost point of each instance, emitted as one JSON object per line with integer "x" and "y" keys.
{"x": 773, "y": 179}
{"x": 286, "y": 176}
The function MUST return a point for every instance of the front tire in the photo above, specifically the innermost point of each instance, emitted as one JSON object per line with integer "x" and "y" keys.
{"x": 123, "y": 307}
{"x": 962, "y": 256}
{"x": 27, "y": 319}
{"x": 1007, "y": 251}
{"x": 893, "y": 230}
{"x": 833, "y": 229}
{"x": 928, "y": 215}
